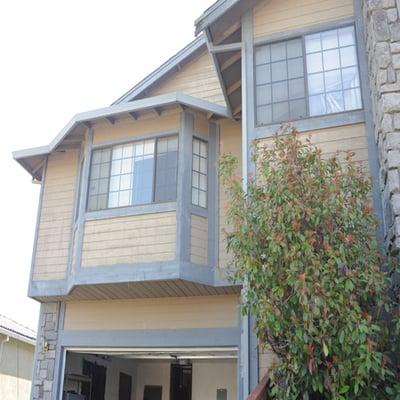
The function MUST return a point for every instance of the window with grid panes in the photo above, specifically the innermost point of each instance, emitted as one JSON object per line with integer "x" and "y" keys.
{"x": 199, "y": 173}
{"x": 314, "y": 75}
{"x": 135, "y": 173}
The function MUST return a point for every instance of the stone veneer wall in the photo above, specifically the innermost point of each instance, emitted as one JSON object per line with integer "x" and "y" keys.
{"x": 382, "y": 33}
{"x": 45, "y": 353}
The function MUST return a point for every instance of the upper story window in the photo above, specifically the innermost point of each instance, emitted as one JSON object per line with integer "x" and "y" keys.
{"x": 135, "y": 173}
{"x": 199, "y": 173}
{"x": 314, "y": 75}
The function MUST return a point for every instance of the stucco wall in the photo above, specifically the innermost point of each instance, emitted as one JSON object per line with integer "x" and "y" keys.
{"x": 16, "y": 365}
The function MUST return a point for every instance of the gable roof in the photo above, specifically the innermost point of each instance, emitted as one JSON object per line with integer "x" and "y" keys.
{"x": 167, "y": 67}
{"x": 28, "y": 158}
{"x": 215, "y": 11}
{"x": 17, "y": 331}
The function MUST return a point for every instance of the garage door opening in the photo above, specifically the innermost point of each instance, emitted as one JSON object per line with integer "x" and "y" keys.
{"x": 150, "y": 374}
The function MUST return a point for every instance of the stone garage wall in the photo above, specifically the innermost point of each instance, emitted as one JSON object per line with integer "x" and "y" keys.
{"x": 45, "y": 368}
{"x": 382, "y": 33}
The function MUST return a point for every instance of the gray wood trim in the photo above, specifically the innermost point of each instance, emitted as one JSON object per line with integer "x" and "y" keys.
{"x": 58, "y": 378}
{"x": 75, "y": 209}
{"x": 136, "y": 138}
{"x": 247, "y": 129}
{"x": 373, "y": 159}
{"x": 151, "y": 208}
{"x": 223, "y": 48}
{"x": 135, "y": 272}
{"x": 315, "y": 123}
{"x": 214, "y": 12}
{"x": 121, "y": 109}
{"x": 80, "y": 225}
{"x": 38, "y": 216}
{"x": 212, "y": 190}
{"x": 183, "y": 217}
{"x": 218, "y": 72}
{"x": 293, "y": 33}
{"x": 202, "y": 337}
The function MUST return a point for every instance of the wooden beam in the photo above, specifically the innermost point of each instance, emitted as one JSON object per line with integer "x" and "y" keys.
{"x": 86, "y": 124}
{"x": 157, "y": 110}
{"x": 235, "y": 86}
{"x": 237, "y": 110}
{"x": 224, "y": 48}
{"x": 221, "y": 36}
{"x": 231, "y": 60}
{"x": 210, "y": 115}
{"x": 133, "y": 115}
{"x": 111, "y": 120}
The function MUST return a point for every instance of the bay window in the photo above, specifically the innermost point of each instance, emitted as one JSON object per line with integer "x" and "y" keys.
{"x": 135, "y": 173}
{"x": 316, "y": 74}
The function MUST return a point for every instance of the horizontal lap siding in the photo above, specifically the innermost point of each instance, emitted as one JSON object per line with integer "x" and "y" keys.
{"x": 339, "y": 139}
{"x": 128, "y": 240}
{"x": 230, "y": 142}
{"x": 127, "y": 128}
{"x": 271, "y": 16}
{"x": 199, "y": 240}
{"x": 175, "y": 313}
{"x": 197, "y": 78}
{"x": 54, "y": 231}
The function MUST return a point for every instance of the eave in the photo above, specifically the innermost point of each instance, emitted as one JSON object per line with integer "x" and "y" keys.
{"x": 30, "y": 159}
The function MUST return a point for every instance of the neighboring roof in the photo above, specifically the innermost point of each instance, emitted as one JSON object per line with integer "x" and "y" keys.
{"x": 24, "y": 156}
{"x": 163, "y": 70}
{"x": 14, "y": 329}
{"x": 217, "y": 10}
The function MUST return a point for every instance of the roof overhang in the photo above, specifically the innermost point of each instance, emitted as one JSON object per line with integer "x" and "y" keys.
{"x": 18, "y": 336}
{"x": 213, "y": 13}
{"x": 32, "y": 159}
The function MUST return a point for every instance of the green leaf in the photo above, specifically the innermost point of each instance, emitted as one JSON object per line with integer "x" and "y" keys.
{"x": 325, "y": 349}
{"x": 344, "y": 389}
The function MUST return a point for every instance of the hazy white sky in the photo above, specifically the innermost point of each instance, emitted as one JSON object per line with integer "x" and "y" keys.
{"x": 57, "y": 58}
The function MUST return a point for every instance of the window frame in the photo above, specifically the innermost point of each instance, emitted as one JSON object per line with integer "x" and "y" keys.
{"x": 200, "y": 139}
{"x": 122, "y": 143}
{"x": 301, "y": 34}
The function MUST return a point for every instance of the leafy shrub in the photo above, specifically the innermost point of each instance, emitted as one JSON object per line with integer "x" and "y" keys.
{"x": 303, "y": 240}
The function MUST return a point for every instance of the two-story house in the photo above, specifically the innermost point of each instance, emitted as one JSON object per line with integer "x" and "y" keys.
{"x": 129, "y": 260}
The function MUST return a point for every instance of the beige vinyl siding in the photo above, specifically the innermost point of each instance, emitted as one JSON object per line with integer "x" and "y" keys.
{"x": 54, "y": 230}
{"x": 271, "y": 16}
{"x": 199, "y": 240}
{"x": 129, "y": 240}
{"x": 341, "y": 139}
{"x": 230, "y": 142}
{"x": 155, "y": 313}
{"x": 127, "y": 128}
{"x": 197, "y": 78}
{"x": 201, "y": 124}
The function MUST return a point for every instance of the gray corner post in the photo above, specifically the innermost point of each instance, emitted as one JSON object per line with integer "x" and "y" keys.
{"x": 47, "y": 361}
{"x": 81, "y": 204}
{"x": 213, "y": 194}
{"x": 248, "y": 363}
{"x": 183, "y": 215}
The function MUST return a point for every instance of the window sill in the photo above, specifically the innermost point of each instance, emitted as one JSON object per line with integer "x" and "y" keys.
{"x": 315, "y": 123}
{"x": 127, "y": 211}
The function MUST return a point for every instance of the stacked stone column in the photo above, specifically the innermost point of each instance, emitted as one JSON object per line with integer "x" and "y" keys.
{"x": 382, "y": 33}
{"x": 45, "y": 353}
